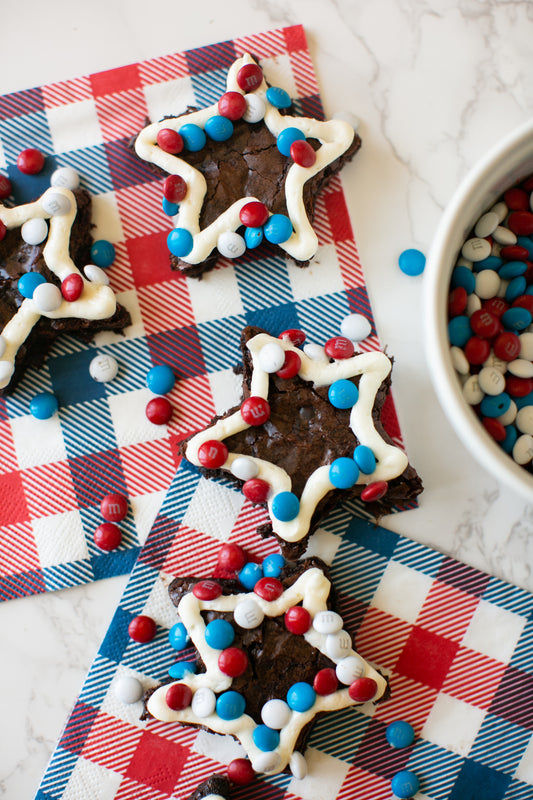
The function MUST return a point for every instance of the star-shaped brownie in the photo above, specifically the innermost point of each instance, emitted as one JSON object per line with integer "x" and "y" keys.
{"x": 307, "y": 434}
{"x": 270, "y": 659}
{"x": 43, "y": 293}
{"x": 243, "y": 170}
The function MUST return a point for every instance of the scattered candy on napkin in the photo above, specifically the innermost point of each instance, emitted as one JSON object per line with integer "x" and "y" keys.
{"x": 54, "y": 472}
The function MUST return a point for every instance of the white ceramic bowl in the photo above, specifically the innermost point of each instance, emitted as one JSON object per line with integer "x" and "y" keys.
{"x": 502, "y": 166}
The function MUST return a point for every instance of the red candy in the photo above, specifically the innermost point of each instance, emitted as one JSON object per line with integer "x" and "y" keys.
{"x": 507, "y": 346}
{"x": 5, "y": 187}
{"x": 232, "y": 105}
{"x": 516, "y": 199}
{"x": 174, "y": 188}
{"x": 363, "y": 689}
{"x": 291, "y": 365}
{"x": 477, "y": 350}
{"x": 207, "y": 590}
{"x": 233, "y": 662}
{"x": 302, "y": 153}
{"x": 496, "y": 305}
{"x": 159, "y": 410}
{"x": 142, "y": 629}
{"x": 30, "y": 161}
{"x": 457, "y": 301}
{"x": 524, "y": 301}
{"x": 240, "y": 771}
{"x": 339, "y": 347}
{"x": 325, "y": 681}
{"x": 297, "y": 620}
{"x": 253, "y": 214}
{"x": 72, "y": 287}
{"x": 514, "y": 252}
{"x": 485, "y": 324}
{"x": 178, "y": 696}
{"x": 212, "y": 454}
{"x": 3, "y": 230}
{"x": 107, "y": 536}
{"x": 250, "y": 77}
{"x": 170, "y": 141}
{"x": 255, "y": 410}
{"x": 231, "y": 557}
{"x": 268, "y": 588}
{"x": 295, "y": 335}
{"x": 256, "y": 490}
{"x": 518, "y": 387}
{"x": 495, "y": 428}
{"x": 374, "y": 491}
{"x": 521, "y": 223}
{"x": 114, "y": 507}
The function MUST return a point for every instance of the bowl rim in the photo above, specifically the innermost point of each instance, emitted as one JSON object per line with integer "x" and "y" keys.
{"x": 491, "y": 168}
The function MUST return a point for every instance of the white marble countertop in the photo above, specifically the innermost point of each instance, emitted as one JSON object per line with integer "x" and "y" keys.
{"x": 435, "y": 85}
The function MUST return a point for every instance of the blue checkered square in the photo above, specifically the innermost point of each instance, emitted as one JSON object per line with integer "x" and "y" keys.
{"x": 212, "y": 57}
{"x": 340, "y": 734}
{"x": 18, "y": 104}
{"x": 20, "y": 132}
{"x": 371, "y": 537}
{"x": 209, "y": 86}
{"x": 437, "y": 770}
{"x": 87, "y": 427}
{"x": 180, "y": 349}
{"x": 134, "y": 362}
{"x": 476, "y": 781}
{"x": 265, "y": 282}
{"x": 318, "y": 315}
{"x": 274, "y": 319}
{"x": 71, "y": 380}
{"x": 92, "y": 165}
{"x": 220, "y": 342}
{"x": 27, "y": 188}
{"x": 500, "y": 744}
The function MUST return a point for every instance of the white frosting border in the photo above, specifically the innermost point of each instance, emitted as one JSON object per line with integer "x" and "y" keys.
{"x": 335, "y": 137}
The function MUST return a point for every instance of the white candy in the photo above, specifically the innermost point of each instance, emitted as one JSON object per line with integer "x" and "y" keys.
{"x": 504, "y": 236}
{"x": 327, "y": 622}
{"x": 95, "y": 274}
{"x": 487, "y": 283}
{"x": 524, "y": 420}
{"x": 128, "y": 689}
{"x": 6, "y": 371}
{"x": 473, "y": 303}
{"x": 487, "y": 224}
{"x": 510, "y": 415}
{"x": 231, "y": 244}
{"x": 56, "y": 203}
{"x": 271, "y": 357}
{"x": 34, "y": 231}
{"x": 203, "y": 702}
{"x": 472, "y": 392}
{"x": 476, "y": 249}
{"x": 464, "y": 262}
{"x": 526, "y": 346}
{"x": 266, "y": 762}
{"x": 356, "y": 327}
{"x": 347, "y": 116}
{"x": 244, "y": 468}
{"x": 213, "y": 797}
{"x": 248, "y": 614}
{"x": 523, "y": 449}
{"x": 315, "y": 352}
{"x": 338, "y": 645}
{"x": 349, "y": 669}
{"x": 521, "y": 368}
{"x": 47, "y": 297}
{"x": 255, "y": 108}
{"x": 66, "y": 177}
{"x": 459, "y": 360}
{"x": 3, "y": 345}
{"x": 103, "y": 368}
{"x": 298, "y": 765}
{"x": 276, "y": 714}
{"x": 501, "y": 210}
{"x": 491, "y": 380}
{"x": 497, "y": 363}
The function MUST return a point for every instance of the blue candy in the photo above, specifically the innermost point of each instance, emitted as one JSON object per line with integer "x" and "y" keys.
{"x": 400, "y": 734}
{"x": 459, "y": 331}
{"x": 250, "y": 574}
{"x": 495, "y": 405}
{"x": 180, "y": 242}
{"x": 277, "y": 229}
{"x": 405, "y": 784}
{"x": 178, "y": 636}
{"x": 285, "y": 506}
{"x": 44, "y": 405}
{"x": 511, "y": 435}
{"x": 193, "y": 136}
{"x": 343, "y": 393}
{"x": 516, "y": 319}
{"x": 253, "y": 237}
{"x": 462, "y": 276}
{"x": 412, "y": 262}
{"x": 524, "y": 401}
{"x": 160, "y": 379}
{"x": 181, "y": 668}
{"x": 301, "y": 696}
{"x": 491, "y": 262}
{"x": 219, "y": 128}
{"x": 219, "y": 634}
{"x": 343, "y": 473}
{"x": 170, "y": 209}
{"x": 265, "y": 738}
{"x": 512, "y": 269}
{"x": 272, "y": 565}
{"x": 365, "y": 459}
{"x": 516, "y": 287}
{"x": 102, "y": 253}
{"x": 286, "y": 138}
{"x": 278, "y": 97}
{"x": 527, "y": 243}
{"x": 28, "y": 283}
{"x": 230, "y": 705}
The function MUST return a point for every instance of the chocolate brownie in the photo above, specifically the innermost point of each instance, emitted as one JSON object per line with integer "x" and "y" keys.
{"x": 18, "y": 258}
{"x": 302, "y": 437}
{"x": 217, "y": 785}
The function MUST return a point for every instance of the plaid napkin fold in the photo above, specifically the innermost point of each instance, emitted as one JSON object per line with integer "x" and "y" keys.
{"x": 53, "y": 473}
{"x": 456, "y": 644}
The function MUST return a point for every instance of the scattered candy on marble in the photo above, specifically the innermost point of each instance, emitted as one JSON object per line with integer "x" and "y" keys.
{"x": 43, "y": 405}
{"x": 30, "y": 161}
{"x": 107, "y": 536}
{"x": 103, "y": 368}
{"x": 142, "y": 629}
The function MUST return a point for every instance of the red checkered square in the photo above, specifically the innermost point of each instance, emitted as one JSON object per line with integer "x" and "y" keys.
{"x": 18, "y": 552}
{"x": 150, "y": 259}
{"x": 158, "y": 70}
{"x": 8, "y": 456}
{"x": 381, "y": 638}
{"x": 157, "y": 762}
{"x": 66, "y": 92}
{"x": 304, "y": 75}
{"x": 121, "y": 276}
{"x": 148, "y": 467}
{"x": 473, "y": 677}
{"x": 41, "y": 500}
{"x": 409, "y": 700}
{"x": 121, "y": 114}
{"x": 120, "y": 79}
{"x": 295, "y": 38}
{"x": 189, "y": 549}
{"x": 171, "y": 295}
{"x": 141, "y": 212}
{"x": 426, "y": 657}
{"x": 14, "y": 506}
{"x": 111, "y": 742}
{"x": 265, "y": 45}
{"x": 447, "y": 611}
{"x": 337, "y": 211}
{"x": 194, "y": 406}
{"x": 362, "y": 784}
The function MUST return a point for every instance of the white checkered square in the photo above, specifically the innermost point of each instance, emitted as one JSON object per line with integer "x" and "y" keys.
{"x": 279, "y": 71}
{"x": 324, "y": 545}
{"x": 402, "y": 591}
{"x": 91, "y": 781}
{"x": 112, "y": 705}
{"x": 524, "y": 770}
{"x": 158, "y": 605}
{"x": 324, "y": 779}
{"x": 453, "y": 724}
{"x": 38, "y": 441}
{"x": 130, "y": 422}
{"x": 322, "y": 276}
{"x": 215, "y": 296}
{"x": 60, "y": 539}
{"x": 494, "y": 631}
{"x": 226, "y": 389}
{"x": 73, "y": 126}
{"x": 169, "y": 98}
{"x": 220, "y": 748}
{"x": 213, "y": 509}
{"x": 145, "y": 508}
{"x": 106, "y": 218}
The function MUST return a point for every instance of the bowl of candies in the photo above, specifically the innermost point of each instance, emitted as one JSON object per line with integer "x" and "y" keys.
{"x": 478, "y": 299}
